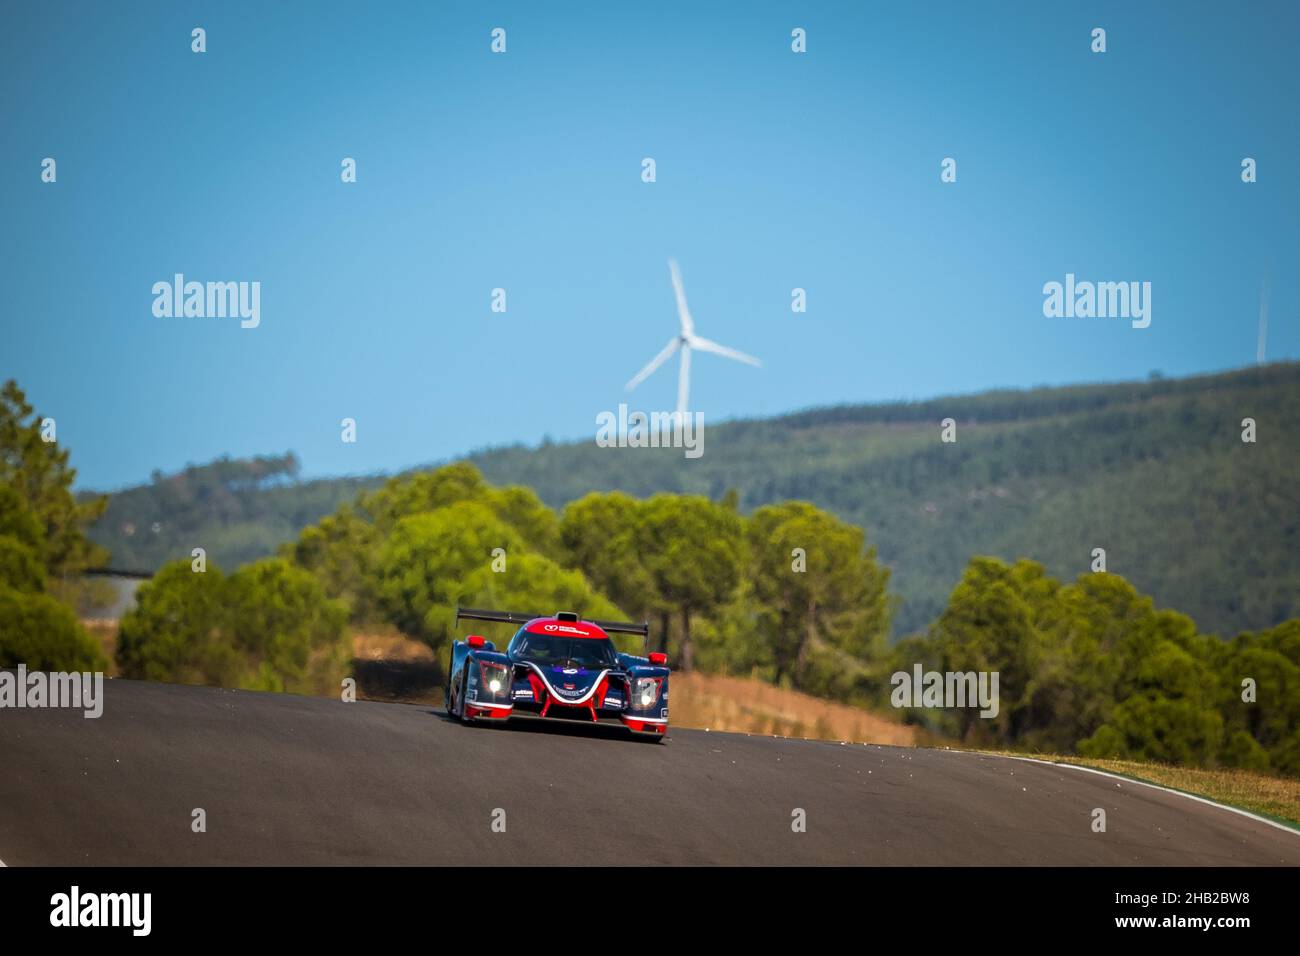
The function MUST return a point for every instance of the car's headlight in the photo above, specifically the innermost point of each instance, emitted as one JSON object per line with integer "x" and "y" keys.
{"x": 494, "y": 676}
{"x": 647, "y": 691}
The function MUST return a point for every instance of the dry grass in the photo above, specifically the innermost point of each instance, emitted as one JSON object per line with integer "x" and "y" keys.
{"x": 389, "y": 647}
{"x": 751, "y": 706}
{"x": 391, "y": 667}
{"x": 1276, "y": 797}
{"x": 105, "y": 633}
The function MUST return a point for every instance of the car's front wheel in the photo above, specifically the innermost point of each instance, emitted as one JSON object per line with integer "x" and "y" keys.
{"x": 460, "y": 696}
{"x": 455, "y": 696}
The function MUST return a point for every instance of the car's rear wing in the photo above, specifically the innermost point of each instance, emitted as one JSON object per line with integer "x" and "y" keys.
{"x": 518, "y": 617}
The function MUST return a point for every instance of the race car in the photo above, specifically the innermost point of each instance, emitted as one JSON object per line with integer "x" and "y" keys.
{"x": 557, "y": 667}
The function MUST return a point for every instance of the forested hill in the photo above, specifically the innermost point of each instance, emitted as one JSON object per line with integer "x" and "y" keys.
{"x": 237, "y": 510}
{"x": 1154, "y": 472}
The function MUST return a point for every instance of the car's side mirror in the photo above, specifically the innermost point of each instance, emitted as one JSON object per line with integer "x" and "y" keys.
{"x": 660, "y": 658}
{"x": 475, "y": 640}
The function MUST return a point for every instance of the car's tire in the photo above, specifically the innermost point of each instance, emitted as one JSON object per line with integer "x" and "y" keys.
{"x": 464, "y": 684}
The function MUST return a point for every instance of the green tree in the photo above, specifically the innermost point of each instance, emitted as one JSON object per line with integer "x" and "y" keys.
{"x": 290, "y": 636}
{"x": 1086, "y": 644}
{"x": 1166, "y": 697}
{"x": 533, "y": 583}
{"x": 44, "y": 634}
{"x": 989, "y": 626}
{"x": 693, "y": 549}
{"x": 423, "y": 491}
{"x": 730, "y": 640}
{"x": 174, "y": 632}
{"x": 342, "y": 552}
{"x": 18, "y": 522}
{"x": 1268, "y": 663}
{"x": 36, "y": 628}
{"x": 38, "y": 474}
{"x": 426, "y": 557}
{"x": 599, "y": 536}
{"x": 1151, "y": 726}
{"x": 460, "y": 483}
{"x": 464, "y": 554}
{"x": 269, "y": 626}
{"x": 20, "y": 568}
{"x": 821, "y": 595}
{"x": 520, "y": 508}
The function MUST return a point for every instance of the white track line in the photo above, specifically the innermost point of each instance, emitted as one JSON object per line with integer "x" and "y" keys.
{"x": 1142, "y": 783}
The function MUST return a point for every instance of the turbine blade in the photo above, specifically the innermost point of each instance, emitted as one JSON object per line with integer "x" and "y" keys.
{"x": 684, "y": 380}
{"x": 655, "y": 362}
{"x": 705, "y": 345}
{"x": 683, "y": 313}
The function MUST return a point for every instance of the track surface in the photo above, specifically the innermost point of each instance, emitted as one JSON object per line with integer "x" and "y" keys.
{"x": 298, "y": 780}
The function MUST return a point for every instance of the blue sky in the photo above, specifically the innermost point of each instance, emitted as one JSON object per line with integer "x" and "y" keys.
{"x": 522, "y": 171}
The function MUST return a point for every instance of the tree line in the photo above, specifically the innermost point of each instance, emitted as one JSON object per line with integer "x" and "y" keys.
{"x": 1156, "y": 471}
{"x": 43, "y": 546}
{"x": 1093, "y": 667}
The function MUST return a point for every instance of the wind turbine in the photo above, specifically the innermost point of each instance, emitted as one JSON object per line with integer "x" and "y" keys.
{"x": 684, "y": 341}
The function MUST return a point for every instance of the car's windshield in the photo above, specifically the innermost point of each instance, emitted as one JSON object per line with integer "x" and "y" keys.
{"x": 551, "y": 649}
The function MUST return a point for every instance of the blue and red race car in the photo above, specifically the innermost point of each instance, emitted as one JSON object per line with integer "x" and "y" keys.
{"x": 559, "y": 668}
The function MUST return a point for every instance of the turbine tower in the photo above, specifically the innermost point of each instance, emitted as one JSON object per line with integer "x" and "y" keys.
{"x": 684, "y": 341}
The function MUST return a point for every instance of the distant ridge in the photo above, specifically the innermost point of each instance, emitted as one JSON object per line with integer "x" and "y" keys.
{"x": 1155, "y": 472}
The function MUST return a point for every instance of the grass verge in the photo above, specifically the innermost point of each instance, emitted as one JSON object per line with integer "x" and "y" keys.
{"x": 1277, "y": 798}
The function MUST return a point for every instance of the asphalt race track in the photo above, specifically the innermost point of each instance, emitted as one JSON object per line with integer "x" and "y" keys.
{"x": 298, "y": 780}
